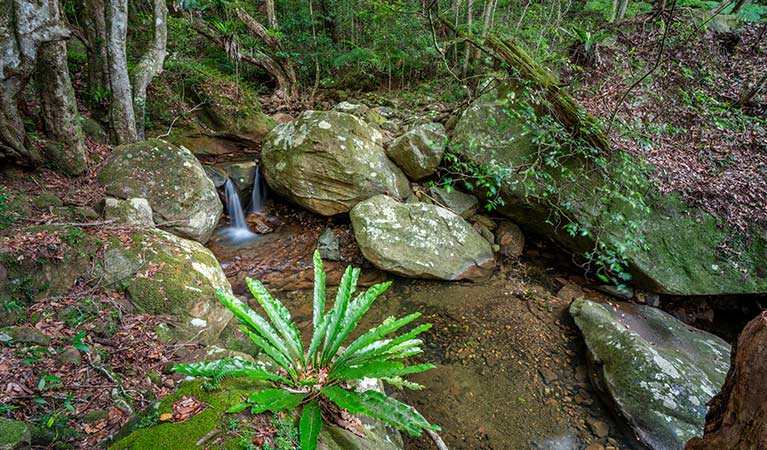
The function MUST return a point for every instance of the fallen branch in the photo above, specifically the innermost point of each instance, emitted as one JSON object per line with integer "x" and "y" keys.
{"x": 437, "y": 440}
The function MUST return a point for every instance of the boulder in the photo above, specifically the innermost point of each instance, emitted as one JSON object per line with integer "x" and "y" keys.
{"x": 183, "y": 199}
{"x": 737, "y": 417}
{"x": 419, "y": 151}
{"x": 465, "y": 205}
{"x": 328, "y": 162}
{"x": 659, "y": 372}
{"x": 510, "y": 238}
{"x": 133, "y": 211}
{"x": 14, "y": 435}
{"x": 164, "y": 274}
{"x": 419, "y": 240}
{"x": 329, "y": 246}
{"x": 184, "y": 435}
{"x": 487, "y": 134}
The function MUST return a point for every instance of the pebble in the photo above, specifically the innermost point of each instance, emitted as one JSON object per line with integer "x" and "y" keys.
{"x": 595, "y": 446}
{"x": 599, "y": 428}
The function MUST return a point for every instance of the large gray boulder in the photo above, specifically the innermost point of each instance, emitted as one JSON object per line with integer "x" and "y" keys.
{"x": 489, "y": 133}
{"x": 164, "y": 274}
{"x": 328, "y": 161}
{"x": 419, "y": 151}
{"x": 659, "y": 371}
{"x": 183, "y": 199}
{"x": 420, "y": 240}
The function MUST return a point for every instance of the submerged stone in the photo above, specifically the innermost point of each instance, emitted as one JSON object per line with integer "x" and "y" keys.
{"x": 419, "y": 240}
{"x": 659, "y": 372}
{"x": 328, "y": 161}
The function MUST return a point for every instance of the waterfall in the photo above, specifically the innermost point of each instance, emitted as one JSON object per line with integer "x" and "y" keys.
{"x": 237, "y": 231}
{"x": 258, "y": 197}
{"x": 233, "y": 207}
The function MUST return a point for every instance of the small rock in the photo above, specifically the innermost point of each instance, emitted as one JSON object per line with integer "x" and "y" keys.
{"x": 384, "y": 111}
{"x": 28, "y": 335}
{"x": 465, "y": 205}
{"x": 282, "y": 117}
{"x": 570, "y": 292}
{"x": 484, "y": 232}
{"x": 653, "y": 299}
{"x": 598, "y": 427}
{"x": 70, "y": 356}
{"x": 484, "y": 220}
{"x": 133, "y": 211}
{"x": 595, "y": 446}
{"x": 46, "y": 200}
{"x": 549, "y": 376}
{"x": 329, "y": 246}
{"x": 510, "y": 238}
{"x": 357, "y": 109}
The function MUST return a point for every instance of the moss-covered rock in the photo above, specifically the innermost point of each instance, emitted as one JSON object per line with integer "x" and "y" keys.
{"x": 660, "y": 372}
{"x": 183, "y": 199}
{"x": 659, "y": 259}
{"x": 419, "y": 240}
{"x": 133, "y": 211}
{"x": 329, "y": 161}
{"x": 166, "y": 275}
{"x": 14, "y": 435}
{"x": 185, "y": 435}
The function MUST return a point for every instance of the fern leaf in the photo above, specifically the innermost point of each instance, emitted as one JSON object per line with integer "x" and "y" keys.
{"x": 379, "y": 406}
{"x": 338, "y": 312}
{"x": 310, "y": 425}
{"x": 380, "y": 369}
{"x": 280, "y": 317}
{"x": 402, "y": 383}
{"x": 319, "y": 291}
{"x": 278, "y": 357}
{"x": 387, "y": 327}
{"x": 222, "y": 368}
{"x": 274, "y": 400}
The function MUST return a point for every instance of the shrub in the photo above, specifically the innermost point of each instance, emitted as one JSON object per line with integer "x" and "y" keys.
{"x": 326, "y": 371}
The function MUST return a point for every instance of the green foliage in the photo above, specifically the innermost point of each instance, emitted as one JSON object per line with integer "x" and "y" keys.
{"x": 325, "y": 371}
{"x": 6, "y": 218}
{"x": 472, "y": 176}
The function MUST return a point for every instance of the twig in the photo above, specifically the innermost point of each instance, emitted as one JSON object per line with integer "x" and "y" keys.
{"x": 72, "y": 224}
{"x": 170, "y": 128}
{"x": 207, "y": 437}
{"x": 437, "y": 440}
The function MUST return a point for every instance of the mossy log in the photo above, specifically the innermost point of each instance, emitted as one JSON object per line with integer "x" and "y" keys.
{"x": 560, "y": 104}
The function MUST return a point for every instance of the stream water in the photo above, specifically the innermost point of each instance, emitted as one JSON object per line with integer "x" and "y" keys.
{"x": 511, "y": 366}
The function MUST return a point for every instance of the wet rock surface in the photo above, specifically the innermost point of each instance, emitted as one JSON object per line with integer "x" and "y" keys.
{"x": 419, "y": 240}
{"x": 659, "y": 372}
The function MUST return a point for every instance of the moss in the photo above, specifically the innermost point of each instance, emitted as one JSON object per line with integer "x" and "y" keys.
{"x": 13, "y": 434}
{"x": 184, "y": 435}
{"x": 46, "y": 199}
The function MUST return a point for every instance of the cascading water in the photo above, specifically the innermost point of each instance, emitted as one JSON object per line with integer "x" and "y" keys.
{"x": 237, "y": 231}
{"x": 258, "y": 197}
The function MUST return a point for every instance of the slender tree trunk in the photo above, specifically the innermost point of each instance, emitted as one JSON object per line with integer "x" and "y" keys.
{"x": 62, "y": 121}
{"x": 469, "y": 22}
{"x": 150, "y": 65}
{"x": 94, "y": 20}
{"x": 749, "y": 93}
{"x": 271, "y": 15}
{"x": 622, "y": 6}
{"x": 121, "y": 116}
{"x": 738, "y": 6}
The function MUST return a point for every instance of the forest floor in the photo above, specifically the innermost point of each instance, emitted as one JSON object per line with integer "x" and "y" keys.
{"x": 678, "y": 118}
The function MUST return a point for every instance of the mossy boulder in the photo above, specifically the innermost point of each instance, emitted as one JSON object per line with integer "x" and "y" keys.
{"x": 419, "y": 151}
{"x": 488, "y": 134}
{"x": 328, "y": 161}
{"x": 185, "y": 435}
{"x": 183, "y": 199}
{"x": 164, "y": 274}
{"x": 133, "y": 211}
{"x": 659, "y": 372}
{"x": 14, "y": 435}
{"x": 420, "y": 240}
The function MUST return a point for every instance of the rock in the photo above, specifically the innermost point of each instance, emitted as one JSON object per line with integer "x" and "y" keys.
{"x": 595, "y": 446}
{"x": 485, "y": 221}
{"x": 510, "y": 238}
{"x": 549, "y": 376}
{"x": 737, "y": 416}
{"x": 328, "y": 162}
{"x": 485, "y": 233}
{"x": 282, "y": 118}
{"x": 465, "y": 205}
{"x": 14, "y": 435}
{"x": 216, "y": 174}
{"x": 418, "y": 240}
{"x": 184, "y": 435}
{"x": 242, "y": 174}
{"x": 486, "y": 133}
{"x": 133, "y": 211}
{"x": 164, "y": 274}
{"x": 357, "y": 109}
{"x": 28, "y": 335}
{"x": 70, "y": 355}
{"x": 419, "y": 151}
{"x": 94, "y": 130}
{"x": 659, "y": 372}
{"x": 599, "y": 428}
{"x": 384, "y": 111}
{"x": 46, "y": 200}
{"x": 183, "y": 199}
{"x": 570, "y": 292}
{"x": 329, "y": 246}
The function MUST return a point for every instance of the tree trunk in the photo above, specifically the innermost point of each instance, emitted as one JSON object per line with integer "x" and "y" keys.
{"x": 561, "y": 105}
{"x": 94, "y": 20}
{"x": 62, "y": 121}
{"x": 738, "y": 6}
{"x": 468, "y": 51}
{"x": 28, "y": 25}
{"x": 271, "y": 15}
{"x": 150, "y": 65}
{"x": 622, "y": 6}
{"x": 749, "y": 93}
{"x": 121, "y": 117}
